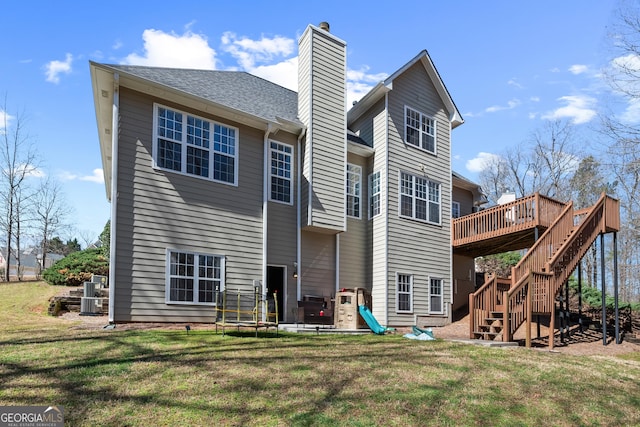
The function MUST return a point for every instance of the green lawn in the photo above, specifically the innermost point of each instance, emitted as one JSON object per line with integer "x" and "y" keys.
{"x": 170, "y": 378}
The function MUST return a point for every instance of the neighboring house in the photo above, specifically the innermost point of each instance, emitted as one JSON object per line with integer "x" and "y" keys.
{"x": 220, "y": 179}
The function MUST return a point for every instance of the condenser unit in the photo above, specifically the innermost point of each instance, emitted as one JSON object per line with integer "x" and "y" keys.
{"x": 89, "y": 289}
{"x": 90, "y": 305}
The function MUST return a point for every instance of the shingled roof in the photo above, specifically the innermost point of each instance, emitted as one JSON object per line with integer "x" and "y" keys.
{"x": 235, "y": 89}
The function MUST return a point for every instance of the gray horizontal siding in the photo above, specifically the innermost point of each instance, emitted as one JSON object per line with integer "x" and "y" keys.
{"x": 159, "y": 209}
{"x": 415, "y": 247}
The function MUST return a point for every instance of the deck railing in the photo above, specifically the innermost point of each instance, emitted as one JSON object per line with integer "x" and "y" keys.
{"x": 522, "y": 214}
{"x": 489, "y": 297}
{"x": 544, "y": 269}
{"x": 537, "y": 256}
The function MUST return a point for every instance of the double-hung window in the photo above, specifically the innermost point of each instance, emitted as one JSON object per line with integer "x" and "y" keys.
{"x": 281, "y": 172}
{"x": 419, "y": 198}
{"x": 195, "y": 146}
{"x": 455, "y": 210}
{"x": 435, "y": 296}
{"x": 404, "y": 293}
{"x": 193, "y": 278}
{"x": 420, "y": 130}
{"x": 354, "y": 190}
{"x": 374, "y": 194}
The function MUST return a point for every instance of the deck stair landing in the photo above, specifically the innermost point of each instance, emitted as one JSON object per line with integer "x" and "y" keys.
{"x": 502, "y": 305}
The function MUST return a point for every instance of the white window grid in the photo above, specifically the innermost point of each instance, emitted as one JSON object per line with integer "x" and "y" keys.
{"x": 374, "y": 194}
{"x": 436, "y": 296}
{"x": 193, "y": 278}
{"x": 404, "y": 293}
{"x": 419, "y": 198}
{"x": 420, "y": 130}
{"x": 195, "y": 146}
{"x": 354, "y": 193}
{"x": 455, "y": 210}
{"x": 281, "y": 172}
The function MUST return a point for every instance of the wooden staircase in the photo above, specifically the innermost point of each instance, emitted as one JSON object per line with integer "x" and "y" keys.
{"x": 502, "y": 305}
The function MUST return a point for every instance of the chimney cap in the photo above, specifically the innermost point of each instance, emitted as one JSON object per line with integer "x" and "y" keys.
{"x": 324, "y": 25}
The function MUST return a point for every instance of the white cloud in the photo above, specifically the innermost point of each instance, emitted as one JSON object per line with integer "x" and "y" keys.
{"x": 55, "y": 68}
{"x": 481, "y": 161}
{"x": 5, "y": 119}
{"x": 535, "y": 99}
{"x": 97, "y": 176}
{"x": 514, "y": 82}
{"x": 578, "y": 108}
{"x": 250, "y": 52}
{"x": 162, "y": 49}
{"x": 578, "y": 69}
{"x": 631, "y": 114}
{"x": 510, "y": 106}
{"x": 284, "y": 73}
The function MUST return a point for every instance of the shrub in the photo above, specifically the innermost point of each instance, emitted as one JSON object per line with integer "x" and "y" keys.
{"x": 77, "y": 268}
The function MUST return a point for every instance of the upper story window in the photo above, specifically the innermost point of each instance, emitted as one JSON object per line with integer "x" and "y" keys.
{"x": 419, "y": 198}
{"x": 281, "y": 172}
{"x": 193, "y": 278}
{"x": 195, "y": 146}
{"x": 354, "y": 192}
{"x": 420, "y": 130}
{"x": 455, "y": 210}
{"x": 374, "y": 194}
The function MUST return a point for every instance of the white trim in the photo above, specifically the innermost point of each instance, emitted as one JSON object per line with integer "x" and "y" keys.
{"x": 236, "y": 156}
{"x": 167, "y": 290}
{"x": 358, "y": 171}
{"x": 386, "y": 211}
{"x": 410, "y": 293}
{"x": 421, "y": 143}
{"x": 370, "y": 194}
{"x": 454, "y": 203}
{"x": 442, "y": 311}
{"x": 413, "y": 198}
{"x": 269, "y": 175}
{"x": 265, "y": 204}
{"x": 299, "y": 217}
{"x": 114, "y": 196}
{"x": 337, "y": 262}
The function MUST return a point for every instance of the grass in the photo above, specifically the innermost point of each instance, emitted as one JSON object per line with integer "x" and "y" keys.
{"x": 168, "y": 377}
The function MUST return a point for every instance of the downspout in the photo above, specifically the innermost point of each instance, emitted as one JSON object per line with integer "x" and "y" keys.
{"x": 386, "y": 214}
{"x": 299, "y": 218}
{"x": 114, "y": 197}
{"x": 265, "y": 216}
{"x": 451, "y": 287}
{"x": 337, "y": 262}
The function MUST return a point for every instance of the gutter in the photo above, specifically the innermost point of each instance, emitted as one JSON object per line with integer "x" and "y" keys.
{"x": 265, "y": 215}
{"x": 114, "y": 197}
{"x": 299, "y": 217}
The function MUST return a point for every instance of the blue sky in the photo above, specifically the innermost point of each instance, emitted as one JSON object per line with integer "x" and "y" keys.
{"x": 509, "y": 65}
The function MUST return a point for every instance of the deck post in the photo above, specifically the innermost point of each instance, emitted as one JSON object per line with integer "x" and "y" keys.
{"x": 471, "y": 316}
{"x": 528, "y": 308}
{"x": 567, "y": 315}
{"x": 552, "y": 322}
{"x": 505, "y": 318}
{"x": 580, "y": 297}
{"x": 615, "y": 285}
{"x": 604, "y": 292}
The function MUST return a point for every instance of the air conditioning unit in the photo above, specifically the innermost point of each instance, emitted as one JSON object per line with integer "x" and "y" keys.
{"x": 89, "y": 289}
{"x": 100, "y": 280}
{"x": 90, "y": 305}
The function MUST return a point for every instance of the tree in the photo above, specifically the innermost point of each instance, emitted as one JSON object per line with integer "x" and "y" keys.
{"x": 622, "y": 136}
{"x": 17, "y": 161}
{"x": 50, "y": 211}
{"x": 105, "y": 238}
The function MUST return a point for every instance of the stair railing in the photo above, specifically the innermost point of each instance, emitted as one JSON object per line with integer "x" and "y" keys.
{"x": 489, "y": 297}
{"x": 537, "y": 256}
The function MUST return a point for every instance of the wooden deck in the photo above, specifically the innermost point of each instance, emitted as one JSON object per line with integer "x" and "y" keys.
{"x": 502, "y": 305}
{"x": 512, "y": 226}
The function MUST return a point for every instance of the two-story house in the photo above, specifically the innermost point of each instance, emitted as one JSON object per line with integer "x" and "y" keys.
{"x": 220, "y": 179}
